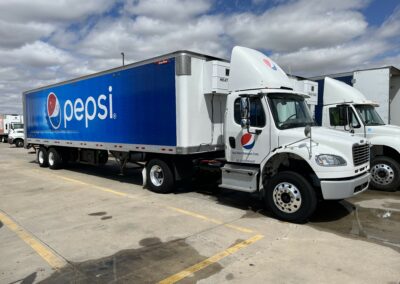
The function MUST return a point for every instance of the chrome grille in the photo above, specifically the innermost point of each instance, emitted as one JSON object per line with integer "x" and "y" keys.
{"x": 360, "y": 154}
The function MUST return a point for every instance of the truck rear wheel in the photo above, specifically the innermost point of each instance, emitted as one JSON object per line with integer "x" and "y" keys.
{"x": 290, "y": 197}
{"x": 159, "y": 176}
{"x": 42, "y": 157}
{"x": 385, "y": 174}
{"x": 54, "y": 159}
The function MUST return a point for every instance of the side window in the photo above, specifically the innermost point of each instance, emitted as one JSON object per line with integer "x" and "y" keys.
{"x": 334, "y": 117}
{"x": 336, "y": 120}
{"x": 257, "y": 114}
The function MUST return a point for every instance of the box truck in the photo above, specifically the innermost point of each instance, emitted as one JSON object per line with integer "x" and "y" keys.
{"x": 9, "y": 123}
{"x": 185, "y": 110}
{"x": 347, "y": 109}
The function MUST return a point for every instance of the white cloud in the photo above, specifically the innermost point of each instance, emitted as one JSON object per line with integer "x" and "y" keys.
{"x": 16, "y": 34}
{"x": 37, "y": 54}
{"x": 144, "y": 37}
{"x": 306, "y": 23}
{"x": 170, "y": 10}
{"x": 55, "y": 10}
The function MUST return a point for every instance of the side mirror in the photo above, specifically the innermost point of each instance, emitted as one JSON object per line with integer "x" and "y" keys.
{"x": 307, "y": 131}
{"x": 245, "y": 112}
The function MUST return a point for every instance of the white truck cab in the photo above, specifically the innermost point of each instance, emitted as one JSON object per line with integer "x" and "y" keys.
{"x": 17, "y": 137}
{"x": 272, "y": 145}
{"x": 346, "y": 109}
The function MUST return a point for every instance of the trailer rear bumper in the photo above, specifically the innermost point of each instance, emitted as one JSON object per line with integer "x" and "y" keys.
{"x": 340, "y": 189}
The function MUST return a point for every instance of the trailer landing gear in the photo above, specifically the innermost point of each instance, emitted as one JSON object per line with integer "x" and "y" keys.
{"x": 122, "y": 159}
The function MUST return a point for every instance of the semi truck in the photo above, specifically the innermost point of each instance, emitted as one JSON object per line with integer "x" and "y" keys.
{"x": 9, "y": 123}
{"x": 381, "y": 85}
{"x": 347, "y": 109}
{"x": 184, "y": 111}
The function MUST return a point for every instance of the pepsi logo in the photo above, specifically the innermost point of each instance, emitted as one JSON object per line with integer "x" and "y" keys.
{"x": 270, "y": 64}
{"x": 53, "y": 111}
{"x": 247, "y": 141}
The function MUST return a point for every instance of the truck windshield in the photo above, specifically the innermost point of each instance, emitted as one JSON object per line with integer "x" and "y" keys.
{"x": 289, "y": 111}
{"x": 369, "y": 115}
{"x": 17, "y": 126}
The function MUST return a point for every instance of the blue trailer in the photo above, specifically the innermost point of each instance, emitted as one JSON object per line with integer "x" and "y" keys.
{"x": 159, "y": 107}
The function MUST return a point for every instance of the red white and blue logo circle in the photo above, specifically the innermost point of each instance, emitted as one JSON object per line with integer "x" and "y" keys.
{"x": 270, "y": 64}
{"x": 248, "y": 141}
{"x": 53, "y": 110}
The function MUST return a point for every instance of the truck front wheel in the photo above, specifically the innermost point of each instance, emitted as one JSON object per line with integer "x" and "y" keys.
{"x": 290, "y": 197}
{"x": 54, "y": 159}
{"x": 385, "y": 174}
{"x": 42, "y": 157}
{"x": 159, "y": 176}
{"x": 19, "y": 143}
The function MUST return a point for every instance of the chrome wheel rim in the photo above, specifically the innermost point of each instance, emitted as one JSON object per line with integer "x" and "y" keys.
{"x": 287, "y": 197}
{"x": 51, "y": 159}
{"x": 41, "y": 157}
{"x": 382, "y": 174}
{"x": 156, "y": 175}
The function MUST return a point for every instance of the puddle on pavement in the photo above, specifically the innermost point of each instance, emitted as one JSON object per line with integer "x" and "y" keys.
{"x": 152, "y": 262}
{"x": 378, "y": 225}
{"x": 97, "y": 213}
{"x": 106, "y": 217}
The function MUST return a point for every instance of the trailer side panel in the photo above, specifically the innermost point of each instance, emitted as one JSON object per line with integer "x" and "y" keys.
{"x": 134, "y": 106}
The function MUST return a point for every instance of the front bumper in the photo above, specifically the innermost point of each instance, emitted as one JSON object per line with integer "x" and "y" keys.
{"x": 340, "y": 189}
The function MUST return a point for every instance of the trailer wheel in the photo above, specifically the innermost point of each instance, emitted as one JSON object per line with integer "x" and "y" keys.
{"x": 42, "y": 157}
{"x": 19, "y": 143}
{"x": 54, "y": 159}
{"x": 290, "y": 197}
{"x": 159, "y": 176}
{"x": 4, "y": 139}
{"x": 385, "y": 174}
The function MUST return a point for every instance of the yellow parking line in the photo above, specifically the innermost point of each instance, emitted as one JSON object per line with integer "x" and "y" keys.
{"x": 185, "y": 212}
{"x": 205, "y": 218}
{"x": 45, "y": 252}
{"x": 207, "y": 262}
{"x": 105, "y": 189}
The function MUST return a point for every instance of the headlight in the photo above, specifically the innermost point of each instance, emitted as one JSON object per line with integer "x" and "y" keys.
{"x": 326, "y": 160}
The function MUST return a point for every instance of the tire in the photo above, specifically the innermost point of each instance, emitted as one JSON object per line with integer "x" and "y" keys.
{"x": 19, "y": 143}
{"x": 4, "y": 139}
{"x": 290, "y": 197}
{"x": 54, "y": 159}
{"x": 42, "y": 157}
{"x": 385, "y": 174}
{"x": 159, "y": 176}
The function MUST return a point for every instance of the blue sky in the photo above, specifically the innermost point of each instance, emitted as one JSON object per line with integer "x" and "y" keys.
{"x": 43, "y": 42}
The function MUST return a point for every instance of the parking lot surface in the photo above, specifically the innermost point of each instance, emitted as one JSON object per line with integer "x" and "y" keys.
{"x": 85, "y": 224}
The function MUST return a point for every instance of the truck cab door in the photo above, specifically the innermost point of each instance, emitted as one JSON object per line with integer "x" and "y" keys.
{"x": 247, "y": 144}
{"x": 344, "y": 117}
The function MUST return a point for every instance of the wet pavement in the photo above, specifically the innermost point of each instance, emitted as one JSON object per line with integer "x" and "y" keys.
{"x": 107, "y": 229}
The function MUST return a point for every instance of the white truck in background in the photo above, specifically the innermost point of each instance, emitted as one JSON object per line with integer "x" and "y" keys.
{"x": 345, "y": 108}
{"x": 17, "y": 137}
{"x": 184, "y": 110}
{"x": 308, "y": 87}
{"x": 9, "y": 123}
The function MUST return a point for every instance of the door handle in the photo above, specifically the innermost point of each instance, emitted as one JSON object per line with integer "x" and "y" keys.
{"x": 232, "y": 142}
